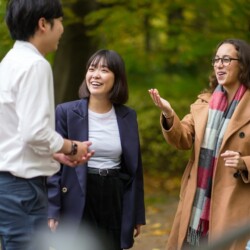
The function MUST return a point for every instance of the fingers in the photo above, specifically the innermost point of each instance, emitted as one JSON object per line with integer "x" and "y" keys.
{"x": 74, "y": 160}
{"x": 137, "y": 230}
{"x": 86, "y": 157}
{"x": 80, "y": 160}
{"x": 88, "y": 143}
{"x": 155, "y": 96}
{"x": 136, "y": 233}
{"x": 52, "y": 224}
{"x": 230, "y": 153}
{"x": 161, "y": 103}
{"x": 233, "y": 159}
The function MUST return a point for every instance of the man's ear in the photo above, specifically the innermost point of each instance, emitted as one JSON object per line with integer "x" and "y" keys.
{"x": 42, "y": 24}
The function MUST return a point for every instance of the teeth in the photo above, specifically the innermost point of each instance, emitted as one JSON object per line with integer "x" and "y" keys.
{"x": 96, "y": 84}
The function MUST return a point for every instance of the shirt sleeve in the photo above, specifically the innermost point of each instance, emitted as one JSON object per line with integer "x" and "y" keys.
{"x": 35, "y": 109}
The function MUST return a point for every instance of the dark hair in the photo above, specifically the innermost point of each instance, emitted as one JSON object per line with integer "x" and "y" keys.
{"x": 22, "y": 16}
{"x": 243, "y": 53}
{"x": 119, "y": 92}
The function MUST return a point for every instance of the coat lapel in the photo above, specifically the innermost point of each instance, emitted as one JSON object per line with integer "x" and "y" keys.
{"x": 240, "y": 117}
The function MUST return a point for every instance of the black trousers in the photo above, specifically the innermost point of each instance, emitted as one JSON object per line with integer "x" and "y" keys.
{"x": 103, "y": 210}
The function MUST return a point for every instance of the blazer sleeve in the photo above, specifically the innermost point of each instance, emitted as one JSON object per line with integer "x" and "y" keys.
{"x": 138, "y": 181}
{"x": 140, "y": 211}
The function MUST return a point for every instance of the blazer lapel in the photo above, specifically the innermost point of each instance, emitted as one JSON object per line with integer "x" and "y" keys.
{"x": 79, "y": 131}
{"x": 78, "y": 121}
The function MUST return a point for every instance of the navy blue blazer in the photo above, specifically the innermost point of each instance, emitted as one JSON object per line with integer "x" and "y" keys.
{"x": 67, "y": 188}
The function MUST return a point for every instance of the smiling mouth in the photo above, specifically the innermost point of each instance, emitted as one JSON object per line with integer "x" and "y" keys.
{"x": 220, "y": 74}
{"x": 95, "y": 84}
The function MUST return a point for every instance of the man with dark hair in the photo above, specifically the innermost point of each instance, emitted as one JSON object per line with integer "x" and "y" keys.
{"x": 30, "y": 148}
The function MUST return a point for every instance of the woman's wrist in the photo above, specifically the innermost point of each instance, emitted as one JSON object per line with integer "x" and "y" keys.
{"x": 168, "y": 116}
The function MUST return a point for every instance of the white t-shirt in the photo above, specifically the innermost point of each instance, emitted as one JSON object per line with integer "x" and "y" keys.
{"x": 105, "y": 138}
{"x": 27, "y": 119}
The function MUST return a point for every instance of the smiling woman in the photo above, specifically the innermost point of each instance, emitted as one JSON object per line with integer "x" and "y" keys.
{"x": 215, "y": 185}
{"x": 100, "y": 80}
{"x": 107, "y": 194}
{"x": 226, "y": 68}
{"x": 108, "y": 66}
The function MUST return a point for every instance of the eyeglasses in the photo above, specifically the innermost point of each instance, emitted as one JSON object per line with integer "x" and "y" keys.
{"x": 224, "y": 60}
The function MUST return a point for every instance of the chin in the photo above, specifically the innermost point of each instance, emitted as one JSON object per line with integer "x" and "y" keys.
{"x": 221, "y": 83}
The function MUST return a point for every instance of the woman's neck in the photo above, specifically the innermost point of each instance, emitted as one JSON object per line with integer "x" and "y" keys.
{"x": 231, "y": 92}
{"x": 99, "y": 105}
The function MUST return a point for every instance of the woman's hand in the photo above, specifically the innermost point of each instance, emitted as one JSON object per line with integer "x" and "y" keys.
{"x": 73, "y": 160}
{"x": 64, "y": 159}
{"x": 137, "y": 230}
{"x": 163, "y": 104}
{"x": 233, "y": 159}
{"x": 52, "y": 224}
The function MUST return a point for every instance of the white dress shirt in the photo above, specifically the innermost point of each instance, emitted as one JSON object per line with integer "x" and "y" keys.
{"x": 27, "y": 119}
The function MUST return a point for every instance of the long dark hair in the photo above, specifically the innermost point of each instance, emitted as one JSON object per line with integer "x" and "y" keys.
{"x": 119, "y": 92}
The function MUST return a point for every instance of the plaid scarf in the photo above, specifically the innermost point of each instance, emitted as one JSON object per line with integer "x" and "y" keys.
{"x": 219, "y": 115}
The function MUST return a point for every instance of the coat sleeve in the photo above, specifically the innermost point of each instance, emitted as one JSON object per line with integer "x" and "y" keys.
{"x": 181, "y": 134}
{"x": 245, "y": 174}
{"x": 183, "y": 131}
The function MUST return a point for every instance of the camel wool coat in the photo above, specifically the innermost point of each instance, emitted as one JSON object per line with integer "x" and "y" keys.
{"x": 230, "y": 198}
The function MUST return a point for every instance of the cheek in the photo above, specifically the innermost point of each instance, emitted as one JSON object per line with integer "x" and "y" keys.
{"x": 112, "y": 80}
{"x": 87, "y": 78}
{"x": 111, "y": 84}
{"x": 62, "y": 28}
{"x": 234, "y": 75}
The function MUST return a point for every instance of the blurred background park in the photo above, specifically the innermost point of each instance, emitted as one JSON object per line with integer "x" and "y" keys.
{"x": 166, "y": 44}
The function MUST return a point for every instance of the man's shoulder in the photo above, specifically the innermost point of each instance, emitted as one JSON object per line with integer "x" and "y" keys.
{"x": 23, "y": 57}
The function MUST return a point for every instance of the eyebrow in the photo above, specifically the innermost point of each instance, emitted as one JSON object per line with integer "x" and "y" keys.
{"x": 224, "y": 55}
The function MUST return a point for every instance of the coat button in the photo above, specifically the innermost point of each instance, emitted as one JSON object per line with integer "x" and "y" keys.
{"x": 241, "y": 134}
{"x": 64, "y": 190}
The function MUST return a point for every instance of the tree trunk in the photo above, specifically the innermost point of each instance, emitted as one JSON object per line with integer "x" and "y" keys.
{"x": 74, "y": 49}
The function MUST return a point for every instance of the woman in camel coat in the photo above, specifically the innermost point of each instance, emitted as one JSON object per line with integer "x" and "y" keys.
{"x": 214, "y": 196}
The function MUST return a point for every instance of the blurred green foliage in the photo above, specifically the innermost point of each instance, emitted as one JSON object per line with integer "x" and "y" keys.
{"x": 166, "y": 44}
{"x": 159, "y": 158}
{"x": 6, "y": 42}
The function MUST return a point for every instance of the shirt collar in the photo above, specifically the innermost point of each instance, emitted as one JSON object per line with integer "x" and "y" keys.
{"x": 22, "y": 44}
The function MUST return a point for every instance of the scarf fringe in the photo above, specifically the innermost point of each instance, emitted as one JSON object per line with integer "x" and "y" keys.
{"x": 193, "y": 236}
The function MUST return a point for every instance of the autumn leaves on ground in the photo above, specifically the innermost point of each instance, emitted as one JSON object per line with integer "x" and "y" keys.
{"x": 161, "y": 205}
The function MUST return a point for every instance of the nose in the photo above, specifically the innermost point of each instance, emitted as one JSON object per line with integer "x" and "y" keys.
{"x": 96, "y": 73}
